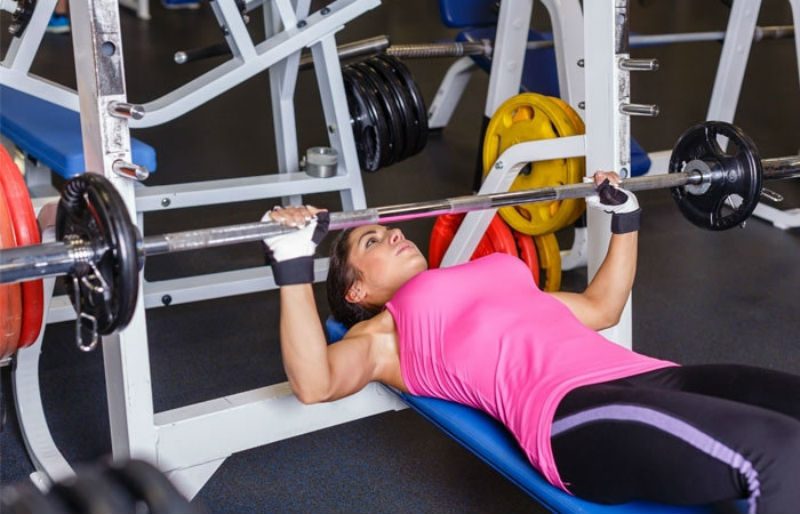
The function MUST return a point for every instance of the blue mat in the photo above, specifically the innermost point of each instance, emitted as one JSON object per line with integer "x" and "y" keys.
{"x": 492, "y": 443}
{"x": 51, "y": 134}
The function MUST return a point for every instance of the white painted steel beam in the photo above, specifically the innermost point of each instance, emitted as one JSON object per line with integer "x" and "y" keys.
{"x": 500, "y": 178}
{"x": 607, "y": 130}
{"x": 254, "y": 418}
{"x": 508, "y": 55}
{"x": 99, "y": 68}
{"x": 216, "y": 81}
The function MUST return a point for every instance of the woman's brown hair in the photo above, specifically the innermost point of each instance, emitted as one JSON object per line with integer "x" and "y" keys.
{"x": 341, "y": 277}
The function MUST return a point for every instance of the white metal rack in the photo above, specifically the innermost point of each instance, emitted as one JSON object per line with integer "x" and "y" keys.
{"x": 180, "y": 441}
{"x": 566, "y": 19}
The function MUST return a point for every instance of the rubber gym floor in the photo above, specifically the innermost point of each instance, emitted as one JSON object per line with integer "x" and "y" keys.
{"x": 700, "y": 297}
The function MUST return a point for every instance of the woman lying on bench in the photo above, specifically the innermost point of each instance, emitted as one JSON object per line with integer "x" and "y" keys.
{"x": 597, "y": 420}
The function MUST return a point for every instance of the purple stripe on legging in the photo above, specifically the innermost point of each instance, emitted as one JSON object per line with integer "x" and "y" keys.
{"x": 672, "y": 426}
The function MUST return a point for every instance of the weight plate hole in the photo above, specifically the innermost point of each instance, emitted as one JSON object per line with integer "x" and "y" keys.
{"x": 524, "y": 212}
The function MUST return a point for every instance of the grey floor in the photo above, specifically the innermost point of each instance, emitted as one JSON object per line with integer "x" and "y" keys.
{"x": 699, "y": 297}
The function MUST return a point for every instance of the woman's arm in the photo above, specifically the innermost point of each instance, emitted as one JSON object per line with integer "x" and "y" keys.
{"x": 600, "y": 305}
{"x": 318, "y": 372}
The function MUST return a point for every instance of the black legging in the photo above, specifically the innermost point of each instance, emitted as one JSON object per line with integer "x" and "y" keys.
{"x": 684, "y": 435}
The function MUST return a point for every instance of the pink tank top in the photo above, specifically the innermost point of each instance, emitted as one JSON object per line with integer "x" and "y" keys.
{"x": 482, "y": 334}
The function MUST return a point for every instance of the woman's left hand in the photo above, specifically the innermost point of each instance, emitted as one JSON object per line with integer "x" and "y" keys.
{"x": 611, "y": 198}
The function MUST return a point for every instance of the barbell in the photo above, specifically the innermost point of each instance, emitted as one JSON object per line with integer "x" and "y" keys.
{"x": 101, "y": 251}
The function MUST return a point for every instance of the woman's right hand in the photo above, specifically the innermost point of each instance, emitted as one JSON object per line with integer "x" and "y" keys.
{"x": 292, "y": 254}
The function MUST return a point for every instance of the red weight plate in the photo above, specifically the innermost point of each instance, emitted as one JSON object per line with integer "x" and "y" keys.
{"x": 501, "y": 237}
{"x": 444, "y": 229}
{"x": 26, "y": 232}
{"x": 527, "y": 252}
{"x": 498, "y": 238}
{"x": 10, "y": 294}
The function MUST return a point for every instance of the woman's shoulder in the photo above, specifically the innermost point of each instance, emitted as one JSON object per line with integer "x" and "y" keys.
{"x": 380, "y": 335}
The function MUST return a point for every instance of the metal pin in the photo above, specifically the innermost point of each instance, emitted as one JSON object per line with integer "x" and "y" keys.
{"x": 638, "y": 64}
{"x": 124, "y": 110}
{"x": 130, "y": 170}
{"x": 650, "y": 110}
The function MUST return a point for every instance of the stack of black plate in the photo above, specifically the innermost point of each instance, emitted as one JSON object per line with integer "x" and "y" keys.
{"x": 389, "y": 118}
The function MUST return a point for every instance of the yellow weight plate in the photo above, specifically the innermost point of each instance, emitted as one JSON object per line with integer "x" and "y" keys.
{"x": 574, "y": 117}
{"x": 530, "y": 117}
{"x": 580, "y": 128}
{"x": 549, "y": 261}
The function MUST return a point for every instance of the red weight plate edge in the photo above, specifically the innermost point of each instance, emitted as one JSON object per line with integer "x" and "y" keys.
{"x": 26, "y": 231}
{"x": 11, "y": 303}
{"x": 527, "y": 252}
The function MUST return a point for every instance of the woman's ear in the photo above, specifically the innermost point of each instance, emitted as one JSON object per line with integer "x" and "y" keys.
{"x": 356, "y": 293}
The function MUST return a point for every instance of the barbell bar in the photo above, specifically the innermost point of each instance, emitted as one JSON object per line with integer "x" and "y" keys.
{"x": 697, "y": 175}
{"x": 61, "y": 258}
{"x": 484, "y": 47}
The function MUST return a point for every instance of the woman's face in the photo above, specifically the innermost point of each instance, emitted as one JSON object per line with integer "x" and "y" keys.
{"x": 385, "y": 259}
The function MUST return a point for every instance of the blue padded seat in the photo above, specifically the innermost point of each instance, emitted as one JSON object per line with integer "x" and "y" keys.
{"x": 458, "y": 14}
{"x": 492, "y": 443}
{"x": 51, "y": 134}
{"x": 540, "y": 75}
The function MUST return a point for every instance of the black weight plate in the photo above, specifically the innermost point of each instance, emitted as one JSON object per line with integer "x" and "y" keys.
{"x": 382, "y": 132}
{"x": 148, "y": 485}
{"x": 25, "y": 498}
{"x": 362, "y": 125}
{"x": 419, "y": 102}
{"x": 92, "y": 209}
{"x": 419, "y": 118}
{"x": 89, "y": 492}
{"x": 737, "y": 171}
{"x": 369, "y": 129}
{"x": 370, "y": 79}
{"x": 377, "y": 109}
{"x": 403, "y": 102}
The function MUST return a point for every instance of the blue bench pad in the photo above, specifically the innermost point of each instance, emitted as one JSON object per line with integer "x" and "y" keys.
{"x": 492, "y": 443}
{"x": 51, "y": 134}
